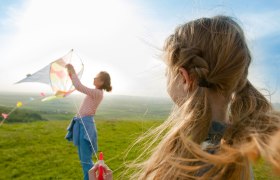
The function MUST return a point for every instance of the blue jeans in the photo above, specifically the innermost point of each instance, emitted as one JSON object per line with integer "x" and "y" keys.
{"x": 85, "y": 151}
{"x": 86, "y": 141}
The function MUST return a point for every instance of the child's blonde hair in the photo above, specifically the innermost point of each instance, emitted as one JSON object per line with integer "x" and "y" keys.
{"x": 215, "y": 54}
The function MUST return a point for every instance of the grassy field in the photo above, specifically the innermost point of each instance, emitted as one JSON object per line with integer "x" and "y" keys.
{"x": 38, "y": 150}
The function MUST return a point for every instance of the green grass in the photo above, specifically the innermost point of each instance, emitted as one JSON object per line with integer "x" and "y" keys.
{"x": 38, "y": 150}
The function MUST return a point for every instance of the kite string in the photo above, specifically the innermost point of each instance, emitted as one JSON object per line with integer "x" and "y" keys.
{"x": 77, "y": 109}
{"x": 78, "y": 113}
{"x": 78, "y": 73}
{"x": 15, "y": 108}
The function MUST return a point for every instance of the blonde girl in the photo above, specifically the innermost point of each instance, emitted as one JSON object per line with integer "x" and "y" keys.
{"x": 221, "y": 122}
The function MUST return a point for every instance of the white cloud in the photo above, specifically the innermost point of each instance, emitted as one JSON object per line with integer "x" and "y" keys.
{"x": 106, "y": 34}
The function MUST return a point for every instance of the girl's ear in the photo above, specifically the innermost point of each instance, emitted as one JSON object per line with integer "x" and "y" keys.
{"x": 185, "y": 75}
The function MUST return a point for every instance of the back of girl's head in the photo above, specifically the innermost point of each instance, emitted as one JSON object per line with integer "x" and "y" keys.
{"x": 105, "y": 77}
{"x": 212, "y": 49}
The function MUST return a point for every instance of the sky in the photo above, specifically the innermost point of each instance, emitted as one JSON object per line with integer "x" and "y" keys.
{"x": 125, "y": 38}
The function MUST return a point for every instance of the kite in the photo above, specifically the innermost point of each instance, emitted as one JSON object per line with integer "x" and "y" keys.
{"x": 55, "y": 74}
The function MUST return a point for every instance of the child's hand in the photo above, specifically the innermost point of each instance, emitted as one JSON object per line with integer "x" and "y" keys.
{"x": 70, "y": 69}
{"x": 93, "y": 172}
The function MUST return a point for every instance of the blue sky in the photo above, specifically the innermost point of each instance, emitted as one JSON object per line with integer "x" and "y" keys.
{"x": 5, "y": 7}
{"x": 124, "y": 38}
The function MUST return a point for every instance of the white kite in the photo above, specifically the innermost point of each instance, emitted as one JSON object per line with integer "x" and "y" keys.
{"x": 55, "y": 74}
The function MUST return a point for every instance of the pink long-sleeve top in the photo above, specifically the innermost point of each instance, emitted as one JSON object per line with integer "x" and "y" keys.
{"x": 91, "y": 101}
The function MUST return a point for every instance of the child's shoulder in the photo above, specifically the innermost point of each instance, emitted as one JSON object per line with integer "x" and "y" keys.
{"x": 98, "y": 91}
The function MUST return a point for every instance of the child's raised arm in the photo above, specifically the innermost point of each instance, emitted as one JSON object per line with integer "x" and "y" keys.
{"x": 77, "y": 83}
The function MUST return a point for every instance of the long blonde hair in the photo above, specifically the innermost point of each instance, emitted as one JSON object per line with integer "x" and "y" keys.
{"x": 212, "y": 50}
